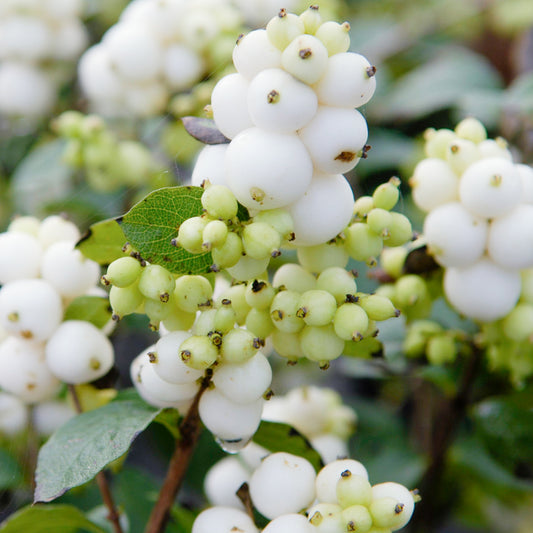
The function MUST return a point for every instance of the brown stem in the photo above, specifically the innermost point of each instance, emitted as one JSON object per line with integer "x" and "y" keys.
{"x": 446, "y": 422}
{"x": 101, "y": 480}
{"x": 179, "y": 462}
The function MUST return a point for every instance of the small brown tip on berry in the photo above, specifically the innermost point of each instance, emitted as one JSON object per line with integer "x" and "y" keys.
{"x": 282, "y": 13}
{"x": 214, "y": 268}
{"x": 454, "y": 148}
{"x": 305, "y": 53}
{"x": 152, "y": 357}
{"x": 399, "y": 508}
{"x": 356, "y": 337}
{"x": 350, "y": 526}
{"x": 301, "y": 313}
{"x": 351, "y": 299}
{"x": 185, "y": 355}
{"x": 13, "y": 317}
{"x": 164, "y": 297}
{"x": 273, "y": 97}
{"x": 316, "y": 519}
{"x": 324, "y": 365}
{"x": 275, "y": 253}
{"x": 397, "y": 312}
{"x": 239, "y": 38}
{"x": 226, "y": 301}
{"x": 346, "y": 157}
{"x": 354, "y": 273}
{"x": 268, "y": 394}
{"x": 292, "y": 236}
{"x": 314, "y": 7}
{"x": 115, "y": 317}
{"x": 104, "y": 281}
{"x": 346, "y": 473}
{"x": 366, "y": 149}
{"x": 371, "y": 71}
{"x": 346, "y": 26}
{"x": 258, "y": 343}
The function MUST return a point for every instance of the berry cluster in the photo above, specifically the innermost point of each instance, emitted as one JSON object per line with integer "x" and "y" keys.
{"x": 156, "y": 48}
{"x": 479, "y": 224}
{"x": 107, "y": 162}
{"x": 289, "y": 111}
{"x": 43, "y": 275}
{"x": 39, "y": 40}
{"x": 339, "y": 498}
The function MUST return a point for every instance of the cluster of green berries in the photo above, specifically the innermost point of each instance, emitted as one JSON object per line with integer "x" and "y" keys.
{"x": 107, "y": 162}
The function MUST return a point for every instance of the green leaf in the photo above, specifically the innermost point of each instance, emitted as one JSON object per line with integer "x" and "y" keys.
{"x": 103, "y": 242}
{"x": 10, "y": 471}
{"x": 48, "y": 518}
{"x": 169, "y": 418}
{"x": 41, "y": 178}
{"x": 87, "y": 443}
{"x": 438, "y": 84}
{"x": 204, "y": 130}
{"x": 277, "y": 437}
{"x": 93, "y": 309}
{"x": 151, "y": 225}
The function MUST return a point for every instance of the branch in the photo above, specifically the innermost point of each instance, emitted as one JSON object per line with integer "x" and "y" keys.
{"x": 107, "y": 497}
{"x": 189, "y": 429}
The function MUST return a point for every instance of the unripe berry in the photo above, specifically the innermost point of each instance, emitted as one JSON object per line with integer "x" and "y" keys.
{"x": 284, "y": 311}
{"x": 386, "y": 195}
{"x": 350, "y": 322}
{"x": 362, "y": 243}
{"x": 400, "y": 230}
{"x": 410, "y": 289}
{"x": 337, "y": 281}
{"x": 363, "y": 205}
{"x": 192, "y": 292}
{"x": 229, "y": 253}
{"x": 326, "y": 517}
{"x": 190, "y": 234}
{"x": 125, "y": 300}
{"x": 334, "y": 36}
{"x": 317, "y": 307}
{"x": 238, "y": 345}
{"x": 156, "y": 282}
{"x": 527, "y": 285}
{"x": 379, "y": 221}
{"x": 404, "y": 508}
{"x": 287, "y": 344}
{"x": 318, "y": 258}
{"x": 122, "y": 272}
{"x": 259, "y": 323}
{"x": 357, "y": 518}
{"x": 236, "y": 294}
{"x": 305, "y": 58}
{"x": 437, "y": 142}
{"x": 471, "y": 129}
{"x": 321, "y": 343}
{"x": 259, "y": 294}
{"x": 293, "y": 277}
{"x": 157, "y": 310}
{"x": 224, "y": 319}
{"x": 214, "y": 235}
{"x": 283, "y": 28}
{"x": 518, "y": 324}
{"x": 415, "y": 341}
{"x": 392, "y": 260}
{"x": 461, "y": 154}
{"x": 219, "y": 202}
{"x": 280, "y": 220}
{"x": 328, "y": 477}
{"x": 378, "y": 307}
{"x": 260, "y": 240}
{"x": 198, "y": 352}
{"x": 205, "y": 322}
{"x": 311, "y": 19}
{"x": 247, "y": 267}
{"x": 353, "y": 489}
{"x": 441, "y": 349}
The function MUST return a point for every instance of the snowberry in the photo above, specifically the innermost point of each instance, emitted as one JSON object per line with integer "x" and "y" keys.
{"x": 305, "y": 58}
{"x": 223, "y": 480}
{"x": 283, "y": 28}
{"x": 280, "y": 220}
{"x": 182, "y": 66}
{"x": 25, "y": 372}
{"x": 335, "y": 138}
{"x": 321, "y": 343}
{"x": 219, "y": 202}
{"x": 67, "y": 270}
{"x": 293, "y": 277}
{"x": 311, "y": 19}
{"x": 146, "y": 99}
{"x": 22, "y": 256}
{"x": 260, "y": 240}
{"x": 228, "y": 254}
{"x": 334, "y": 36}
{"x": 259, "y": 294}
{"x": 330, "y": 447}
{"x": 433, "y": 184}
{"x": 223, "y": 520}
{"x": 471, "y": 129}
{"x": 156, "y": 282}
{"x": 326, "y": 517}
{"x": 483, "y": 291}
{"x": 49, "y": 416}
{"x": 317, "y": 307}
{"x": 348, "y": 81}
{"x": 122, "y": 272}
{"x": 401, "y": 512}
{"x": 361, "y": 242}
{"x": 495, "y": 148}
{"x": 454, "y": 235}
{"x": 13, "y": 415}
{"x": 490, "y": 187}
{"x": 210, "y": 166}
{"x": 198, "y": 352}
{"x": 518, "y": 324}
{"x": 386, "y": 195}
{"x": 323, "y": 211}
{"x": 284, "y": 311}
{"x": 238, "y": 346}
{"x": 93, "y": 354}
{"x": 338, "y": 281}
{"x": 247, "y": 267}
{"x": 510, "y": 239}
{"x": 378, "y": 307}
{"x": 460, "y": 154}
{"x": 259, "y": 323}
{"x": 318, "y": 258}
{"x": 125, "y": 300}
{"x": 437, "y": 142}
{"x": 328, "y": 477}
{"x": 30, "y": 308}
{"x": 266, "y": 170}
{"x": 25, "y": 224}
{"x": 57, "y": 228}
{"x": 350, "y": 322}
{"x": 192, "y": 292}
{"x": 254, "y": 52}
{"x": 14, "y": 42}
{"x": 278, "y": 102}
{"x": 283, "y": 483}
{"x": 227, "y": 420}
{"x": 289, "y": 523}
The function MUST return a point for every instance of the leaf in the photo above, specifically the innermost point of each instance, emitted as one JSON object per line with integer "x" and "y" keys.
{"x": 93, "y": 309}
{"x": 169, "y": 418}
{"x": 82, "y": 447}
{"x": 40, "y": 178}
{"x": 438, "y": 84}
{"x": 103, "y": 242}
{"x": 151, "y": 225}
{"x": 204, "y": 130}
{"x": 278, "y": 437}
{"x": 47, "y": 518}
{"x": 10, "y": 471}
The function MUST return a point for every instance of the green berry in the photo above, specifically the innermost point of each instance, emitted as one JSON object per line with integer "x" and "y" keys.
{"x": 311, "y": 19}
{"x": 400, "y": 231}
{"x": 321, "y": 344}
{"x": 337, "y": 281}
{"x": 437, "y": 142}
{"x": 192, "y": 293}
{"x": 392, "y": 260}
{"x": 461, "y": 154}
{"x": 179, "y": 320}
{"x": 387, "y": 194}
{"x": 125, "y": 300}
{"x": 122, "y": 272}
{"x": 518, "y": 324}
{"x": 236, "y": 295}
{"x": 350, "y": 322}
{"x": 190, "y": 234}
{"x": 205, "y": 322}
{"x": 156, "y": 310}
{"x": 353, "y": 489}
{"x": 283, "y": 28}
{"x": 259, "y": 294}
{"x": 284, "y": 311}
{"x": 378, "y": 307}
{"x": 409, "y": 290}
{"x": 471, "y": 129}
{"x": 238, "y": 345}
{"x": 198, "y": 352}
{"x": 229, "y": 253}
{"x": 280, "y": 220}
{"x": 362, "y": 243}
{"x": 317, "y": 307}
{"x": 260, "y": 240}
{"x": 214, "y": 235}
{"x": 219, "y": 202}
{"x": 224, "y": 319}
{"x": 379, "y": 221}
{"x": 294, "y": 278}
{"x": 259, "y": 323}
{"x": 363, "y": 205}
{"x": 334, "y": 36}
{"x": 318, "y": 258}
{"x": 441, "y": 349}
{"x": 418, "y": 334}
{"x": 526, "y": 293}
{"x": 156, "y": 282}
{"x": 287, "y": 344}
{"x": 386, "y": 512}
{"x": 357, "y": 518}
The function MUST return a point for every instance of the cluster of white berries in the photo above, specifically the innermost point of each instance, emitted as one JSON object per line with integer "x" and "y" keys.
{"x": 289, "y": 111}
{"x": 479, "y": 222}
{"x": 155, "y": 49}
{"x": 285, "y": 489}
{"x": 42, "y": 274}
{"x": 39, "y": 41}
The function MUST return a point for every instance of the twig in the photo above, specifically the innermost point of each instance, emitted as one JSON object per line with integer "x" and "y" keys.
{"x": 189, "y": 432}
{"x": 101, "y": 480}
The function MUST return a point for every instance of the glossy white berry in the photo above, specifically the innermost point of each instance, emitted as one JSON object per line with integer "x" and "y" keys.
{"x": 327, "y": 478}
{"x": 289, "y": 523}
{"x": 490, "y": 187}
{"x": 223, "y": 520}
{"x": 30, "y": 308}
{"x": 279, "y": 102}
{"x": 400, "y": 494}
{"x": 456, "y": 237}
{"x": 330, "y": 447}
{"x": 13, "y": 415}
{"x": 49, "y": 416}
{"x": 323, "y": 211}
{"x": 55, "y": 229}
{"x": 78, "y": 352}
{"x": 335, "y": 139}
{"x": 348, "y": 81}
{"x": 266, "y": 169}
{"x": 283, "y": 483}
{"x": 210, "y": 165}
{"x": 306, "y": 58}
{"x": 254, "y": 52}
{"x": 182, "y": 66}
{"x": 223, "y": 480}
{"x": 483, "y": 291}
{"x": 21, "y": 253}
